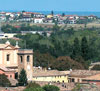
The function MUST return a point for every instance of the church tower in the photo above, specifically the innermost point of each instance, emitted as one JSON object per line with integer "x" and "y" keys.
{"x": 25, "y": 61}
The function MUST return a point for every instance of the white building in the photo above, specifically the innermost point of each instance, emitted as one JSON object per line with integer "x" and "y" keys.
{"x": 38, "y": 20}
{"x": 7, "y": 35}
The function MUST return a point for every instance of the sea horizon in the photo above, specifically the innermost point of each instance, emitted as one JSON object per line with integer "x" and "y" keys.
{"x": 80, "y": 13}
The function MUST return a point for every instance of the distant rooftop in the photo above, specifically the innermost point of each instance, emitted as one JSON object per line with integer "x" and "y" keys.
{"x": 83, "y": 73}
{"x": 39, "y": 72}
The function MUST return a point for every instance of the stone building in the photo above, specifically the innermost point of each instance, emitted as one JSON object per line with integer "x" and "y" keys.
{"x": 14, "y": 58}
{"x": 43, "y": 75}
{"x": 85, "y": 76}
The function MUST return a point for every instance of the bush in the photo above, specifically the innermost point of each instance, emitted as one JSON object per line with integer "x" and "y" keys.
{"x": 77, "y": 88}
{"x": 34, "y": 89}
{"x": 51, "y": 88}
{"x": 4, "y": 81}
{"x": 33, "y": 85}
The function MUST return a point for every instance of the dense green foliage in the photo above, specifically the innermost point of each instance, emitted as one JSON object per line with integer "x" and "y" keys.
{"x": 76, "y": 49}
{"x": 36, "y": 87}
{"x": 82, "y": 46}
{"x": 24, "y": 27}
{"x": 66, "y": 63}
{"x": 51, "y": 88}
{"x": 22, "y": 81}
{"x": 33, "y": 85}
{"x": 4, "y": 81}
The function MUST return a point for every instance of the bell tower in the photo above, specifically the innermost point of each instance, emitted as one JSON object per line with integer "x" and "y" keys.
{"x": 25, "y": 61}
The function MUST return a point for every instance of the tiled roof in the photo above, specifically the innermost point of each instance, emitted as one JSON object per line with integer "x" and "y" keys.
{"x": 41, "y": 72}
{"x": 83, "y": 73}
{"x": 94, "y": 77}
{"x": 7, "y": 44}
{"x": 3, "y": 46}
{"x": 6, "y": 69}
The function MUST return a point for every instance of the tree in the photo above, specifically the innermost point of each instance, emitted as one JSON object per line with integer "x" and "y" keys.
{"x": 63, "y": 14}
{"x": 66, "y": 63}
{"x": 76, "y": 49}
{"x": 23, "y": 11}
{"x": 4, "y": 81}
{"x": 52, "y": 13}
{"x": 51, "y": 88}
{"x": 22, "y": 78}
{"x": 84, "y": 48}
{"x": 44, "y": 60}
{"x": 56, "y": 28}
{"x": 7, "y": 17}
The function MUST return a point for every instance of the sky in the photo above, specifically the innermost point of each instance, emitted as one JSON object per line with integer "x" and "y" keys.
{"x": 48, "y": 5}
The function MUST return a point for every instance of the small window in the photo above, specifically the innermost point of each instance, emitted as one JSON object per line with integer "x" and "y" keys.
{"x": 28, "y": 58}
{"x": 21, "y": 59}
{"x": 10, "y": 76}
{"x": 73, "y": 80}
{"x": 8, "y": 55}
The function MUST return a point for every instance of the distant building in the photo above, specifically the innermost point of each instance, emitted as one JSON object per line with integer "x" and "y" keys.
{"x": 49, "y": 16}
{"x": 44, "y": 75}
{"x": 7, "y": 35}
{"x": 8, "y": 72}
{"x": 48, "y": 33}
{"x": 72, "y": 21}
{"x": 38, "y": 20}
{"x": 84, "y": 76}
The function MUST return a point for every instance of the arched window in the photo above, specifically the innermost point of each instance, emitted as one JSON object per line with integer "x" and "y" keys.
{"x": 28, "y": 58}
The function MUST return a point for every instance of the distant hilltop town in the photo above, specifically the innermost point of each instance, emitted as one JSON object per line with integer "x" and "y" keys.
{"x": 42, "y": 18}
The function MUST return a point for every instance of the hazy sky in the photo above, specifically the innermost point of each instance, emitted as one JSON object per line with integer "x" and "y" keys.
{"x": 48, "y": 5}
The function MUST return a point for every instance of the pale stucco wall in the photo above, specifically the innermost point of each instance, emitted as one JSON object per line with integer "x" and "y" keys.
{"x": 52, "y": 79}
{"x": 13, "y": 58}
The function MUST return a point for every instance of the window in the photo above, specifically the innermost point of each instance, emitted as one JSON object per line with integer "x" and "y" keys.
{"x": 21, "y": 59}
{"x": 8, "y": 55}
{"x": 73, "y": 80}
{"x": 28, "y": 58}
{"x": 10, "y": 76}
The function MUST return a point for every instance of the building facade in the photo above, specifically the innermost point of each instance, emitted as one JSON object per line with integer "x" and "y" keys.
{"x": 14, "y": 58}
{"x": 44, "y": 75}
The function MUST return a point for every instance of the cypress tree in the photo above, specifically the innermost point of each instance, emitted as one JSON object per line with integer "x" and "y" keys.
{"x": 76, "y": 49}
{"x": 22, "y": 78}
{"x": 84, "y": 48}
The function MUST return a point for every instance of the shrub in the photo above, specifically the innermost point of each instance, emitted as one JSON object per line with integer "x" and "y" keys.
{"x": 33, "y": 85}
{"x": 77, "y": 88}
{"x": 4, "y": 81}
{"x": 51, "y": 88}
{"x": 34, "y": 89}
